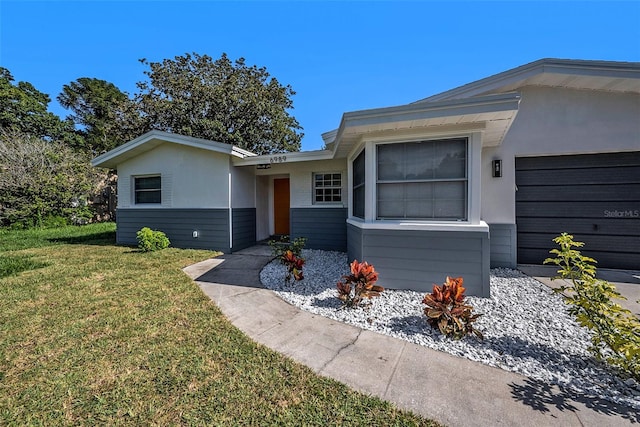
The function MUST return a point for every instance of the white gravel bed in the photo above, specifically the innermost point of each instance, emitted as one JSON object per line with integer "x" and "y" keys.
{"x": 526, "y": 327}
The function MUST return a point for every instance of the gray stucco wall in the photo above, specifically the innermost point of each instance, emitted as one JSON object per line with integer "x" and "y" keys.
{"x": 178, "y": 224}
{"x": 324, "y": 228}
{"x": 503, "y": 245}
{"x": 408, "y": 259}
{"x": 244, "y": 228}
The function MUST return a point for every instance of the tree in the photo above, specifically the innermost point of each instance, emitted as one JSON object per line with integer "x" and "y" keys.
{"x": 42, "y": 179}
{"x": 23, "y": 108}
{"x": 219, "y": 100}
{"x": 102, "y": 111}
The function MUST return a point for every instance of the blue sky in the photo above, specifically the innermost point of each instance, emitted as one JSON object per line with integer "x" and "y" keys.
{"x": 337, "y": 56}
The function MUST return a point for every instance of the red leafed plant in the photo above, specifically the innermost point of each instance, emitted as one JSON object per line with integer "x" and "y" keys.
{"x": 448, "y": 311}
{"x": 294, "y": 265}
{"x": 361, "y": 282}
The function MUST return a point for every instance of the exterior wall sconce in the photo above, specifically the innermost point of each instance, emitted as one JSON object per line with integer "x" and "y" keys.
{"x": 496, "y": 168}
{"x": 195, "y": 234}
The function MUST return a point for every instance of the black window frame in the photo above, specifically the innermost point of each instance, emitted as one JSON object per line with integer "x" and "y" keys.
{"x": 358, "y": 189}
{"x": 147, "y": 190}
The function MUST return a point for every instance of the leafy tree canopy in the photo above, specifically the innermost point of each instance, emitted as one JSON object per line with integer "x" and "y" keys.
{"x": 102, "y": 112}
{"x": 43, "y": 179}
{"x": 220, "y": 100}
{"x": 24, "y": 108}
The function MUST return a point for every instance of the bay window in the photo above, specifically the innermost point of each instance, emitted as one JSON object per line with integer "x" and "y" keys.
{"x": 358, "y": 189}
{"x": 420, "y": 180}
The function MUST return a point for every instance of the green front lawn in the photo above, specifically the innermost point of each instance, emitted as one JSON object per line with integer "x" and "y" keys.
{"x": 93, "y": 333}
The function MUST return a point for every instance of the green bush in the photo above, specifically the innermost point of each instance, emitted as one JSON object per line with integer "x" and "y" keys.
{"x": 282, "y": 245}
{"x": 151, "y": 240}
{"x": 43, "y": 183}
{"x": 616, "y": 331}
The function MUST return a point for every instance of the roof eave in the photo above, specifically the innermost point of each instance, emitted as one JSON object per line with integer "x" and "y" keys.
{"x": 154, "y": 138}
{"x": 605, "y": 69}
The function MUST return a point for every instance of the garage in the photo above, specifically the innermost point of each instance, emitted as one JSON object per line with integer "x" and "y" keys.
{"x": 595, "y": 197}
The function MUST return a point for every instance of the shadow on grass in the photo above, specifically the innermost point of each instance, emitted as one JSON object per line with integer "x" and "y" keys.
{"x": 102, "y": 238}
{"x": 541, "y": 397}
{"x": 12, "y": 265}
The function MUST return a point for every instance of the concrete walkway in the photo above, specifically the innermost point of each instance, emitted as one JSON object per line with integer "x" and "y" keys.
{"x": 449, "y": 389}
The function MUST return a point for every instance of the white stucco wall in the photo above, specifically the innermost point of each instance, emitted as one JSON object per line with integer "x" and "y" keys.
{"x": 243, "y": 187}
{"x": 191, "y": 177}
{"x": 554, "y": 121}
{"x": 301, "y": 180}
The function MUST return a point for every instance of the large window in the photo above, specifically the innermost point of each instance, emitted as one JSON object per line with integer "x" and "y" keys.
{"x": 148, "y": 189}
{"x": 327, "y": 187}
{"x": 422, "y": 180}
{"x": 358, "y": 186}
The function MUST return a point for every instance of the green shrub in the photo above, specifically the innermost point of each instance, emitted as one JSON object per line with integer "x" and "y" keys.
{"x": 150, "y": 240}
{"x": 448, "y": 311}
{"x": 282, "y": 245}
{"x": 616, "y": 331}
{"x": 43, "y": 183}
{"x": 363, "y": 278}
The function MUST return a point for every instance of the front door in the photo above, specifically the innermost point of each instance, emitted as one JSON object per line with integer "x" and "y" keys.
{"x": 281, "y": 205}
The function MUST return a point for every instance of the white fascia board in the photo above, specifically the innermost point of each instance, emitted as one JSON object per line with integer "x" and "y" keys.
{"x": 152, "y": 139}
{"x": 478, "y": 105}
{"x": 241, "y": 152}
{"x": 357, "y": 122}
{"x": 607, "y": 69}
{"x": 329, "y": 137}
{"x": 291, "y": 157}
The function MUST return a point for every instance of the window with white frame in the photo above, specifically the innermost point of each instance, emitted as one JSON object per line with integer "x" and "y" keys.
{"x": 422, "y": 180}
{"x": 148, "y": 189}
{"x": 358, "y": 188}
{"x": 327, "y": 187}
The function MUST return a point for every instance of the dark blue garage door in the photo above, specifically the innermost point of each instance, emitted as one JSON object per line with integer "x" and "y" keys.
{"x": 595, "y": 197}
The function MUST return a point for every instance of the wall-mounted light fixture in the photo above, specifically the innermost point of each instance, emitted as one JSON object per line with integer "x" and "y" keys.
{"x": 496, "y": 168}
{"x": 195, "y": 234}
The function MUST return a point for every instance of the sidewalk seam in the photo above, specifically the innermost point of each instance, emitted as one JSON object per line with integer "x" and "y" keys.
{"x": 395, "y": 368}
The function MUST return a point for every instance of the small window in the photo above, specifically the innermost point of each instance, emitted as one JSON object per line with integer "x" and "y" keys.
{"x": 327, "y": 187}
{"x": 148, "y": 189}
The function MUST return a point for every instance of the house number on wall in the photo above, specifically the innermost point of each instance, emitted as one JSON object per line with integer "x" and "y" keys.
{"x": 278, "y": 159}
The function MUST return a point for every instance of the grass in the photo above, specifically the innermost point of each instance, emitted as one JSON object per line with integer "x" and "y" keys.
{"x": 94, "y": 333}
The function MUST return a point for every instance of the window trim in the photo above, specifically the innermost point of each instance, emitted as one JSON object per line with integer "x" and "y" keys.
{"x": 331, "y": 187}
{"x": 136, "y": 191}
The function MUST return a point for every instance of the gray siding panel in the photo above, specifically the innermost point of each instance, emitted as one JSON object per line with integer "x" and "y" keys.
{"x": 354, "y": 242}
{"x": 324, "y": 228}
{"x": 178, "y": 224}
{"x": 502, "y": 241}
{"x": 244, "y": 228}
{"x": 418, "y": 259}
{"x": 594, "y": 197}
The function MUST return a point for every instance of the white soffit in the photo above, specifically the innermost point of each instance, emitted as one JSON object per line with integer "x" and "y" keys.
{"x": 493, "y": 114}
{"x": 290, "y": 157}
